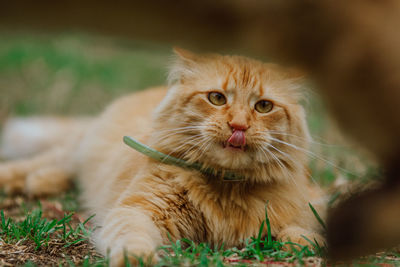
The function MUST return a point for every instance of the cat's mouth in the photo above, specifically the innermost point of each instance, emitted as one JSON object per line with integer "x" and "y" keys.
{"x": 233, "y": 147}
{"x": 237, "y": 141}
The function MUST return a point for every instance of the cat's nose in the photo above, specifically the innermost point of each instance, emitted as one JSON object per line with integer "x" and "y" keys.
{"x": 238, "y": 126}
{"x": 239, "y": 121}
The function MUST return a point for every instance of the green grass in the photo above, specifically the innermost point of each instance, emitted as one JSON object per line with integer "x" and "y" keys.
{"x": 39, "y": 230}
{"x": 58, "y": 239}
{"x": 71, "y": 74}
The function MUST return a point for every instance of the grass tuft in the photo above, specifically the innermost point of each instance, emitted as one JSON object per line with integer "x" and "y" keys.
{"x": 39, "y": 230}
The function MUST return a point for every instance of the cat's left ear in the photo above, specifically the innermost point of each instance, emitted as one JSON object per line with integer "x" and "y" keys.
{"x": 296, "y": 73}
{"x": 289, "y": 72}
{"x": 297, "y": 85}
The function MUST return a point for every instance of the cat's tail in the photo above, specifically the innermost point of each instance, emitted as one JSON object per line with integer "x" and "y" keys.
{"x": 24, "y": 137}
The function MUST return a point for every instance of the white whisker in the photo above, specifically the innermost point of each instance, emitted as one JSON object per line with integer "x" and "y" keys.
{"x": 206, "y": 142}
{"x": 283, "y": 168}
{"x": 186, "y": 141}
{"x": 310, "y": 153}
{"x": 179, "y": 130}
{"x": 302, "y": 138}
{"x": 283, "y": 153}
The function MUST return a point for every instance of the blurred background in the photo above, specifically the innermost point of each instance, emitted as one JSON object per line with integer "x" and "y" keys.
{"x": 70, "y": 74}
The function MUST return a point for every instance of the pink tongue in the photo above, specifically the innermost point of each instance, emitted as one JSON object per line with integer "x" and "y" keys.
{"x": 238, "y": 138}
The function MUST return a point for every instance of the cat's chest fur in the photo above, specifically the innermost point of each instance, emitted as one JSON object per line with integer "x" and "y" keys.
{"x": 231, "y": 216}
{"x": 189, "y": 205}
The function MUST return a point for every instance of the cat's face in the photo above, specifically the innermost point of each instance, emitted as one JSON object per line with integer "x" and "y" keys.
{"x": 232, "y": 113}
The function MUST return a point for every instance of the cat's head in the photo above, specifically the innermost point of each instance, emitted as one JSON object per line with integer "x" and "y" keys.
{"x": 233, "y": 113}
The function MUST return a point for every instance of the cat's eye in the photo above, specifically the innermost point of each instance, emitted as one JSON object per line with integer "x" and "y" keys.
{"x": 264, "y": 106}
{"x": 216, "y": 98}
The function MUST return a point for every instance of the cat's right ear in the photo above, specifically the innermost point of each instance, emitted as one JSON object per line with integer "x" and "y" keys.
{"x": 184, "y": 65}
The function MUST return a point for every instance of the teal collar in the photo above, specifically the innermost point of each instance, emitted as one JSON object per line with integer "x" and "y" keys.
{"x": 159, "y": 156}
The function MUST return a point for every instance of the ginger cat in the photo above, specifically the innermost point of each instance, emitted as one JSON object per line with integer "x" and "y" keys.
{"x": 225, "y": 112}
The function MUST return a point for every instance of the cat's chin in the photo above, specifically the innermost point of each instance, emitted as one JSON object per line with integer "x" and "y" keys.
{"x": 230, "y": 157}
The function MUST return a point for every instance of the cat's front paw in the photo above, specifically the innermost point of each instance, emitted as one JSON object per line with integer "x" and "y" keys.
{"x": 47, "y": 181}
{"x": 301, "y": 236}
{"x": 132, "y": 256}
{"x": 130, "y": 235}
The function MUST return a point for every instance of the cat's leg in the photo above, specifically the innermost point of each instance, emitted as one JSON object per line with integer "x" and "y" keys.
{"x": 48, "y": 181}
{"x": 129, "y": 232}
{"x": 12, "y": 177}
{"x": 47, "y": 173}
{"x": 56, "y": 140}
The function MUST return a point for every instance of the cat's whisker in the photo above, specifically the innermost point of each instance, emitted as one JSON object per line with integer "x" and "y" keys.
{"x": 163, "y": 138}
{"x": 207, "y": 141}
{"x": 283, "y": 168}
{"x": 188, "y": 140}
{"x": 259, "y": 147}
{"x": 188, "y": 145}
{"x": 302, "y": 138}
{"x": 311, "y": 154}
{"x": 289, "y": 157}
{"x": 206, "y": 148}
{"x": 183, "y": 133}
{"x": 190, "y": 112}
{"x": 265, "y": 144}
{"x": 179, "y": 130}
{"x": 278, "y": 161}
{"x": 204, "y": 142}
{"x": 289, "y": 173}
{"x": 195, "y": 127}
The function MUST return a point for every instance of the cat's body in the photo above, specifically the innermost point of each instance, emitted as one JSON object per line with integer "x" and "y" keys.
{"x": 139, "y": 201}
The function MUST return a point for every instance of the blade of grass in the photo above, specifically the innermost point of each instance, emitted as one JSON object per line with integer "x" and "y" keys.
{"x": 317, "y": 216}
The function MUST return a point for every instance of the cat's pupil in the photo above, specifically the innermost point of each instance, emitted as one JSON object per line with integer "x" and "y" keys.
{"x": 264, "y": 106}
{"x": 216, "y": 98}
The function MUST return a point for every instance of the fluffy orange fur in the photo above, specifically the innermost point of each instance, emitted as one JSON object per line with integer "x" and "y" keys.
{"x": 138, "y": 202}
